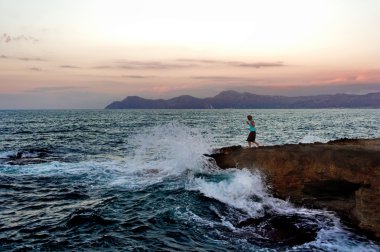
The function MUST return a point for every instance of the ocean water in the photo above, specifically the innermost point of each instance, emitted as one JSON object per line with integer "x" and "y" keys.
{"x": 137, "y": 180}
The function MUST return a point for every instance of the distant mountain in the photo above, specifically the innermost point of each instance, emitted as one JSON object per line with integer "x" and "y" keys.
{"x": 233, "y": 99}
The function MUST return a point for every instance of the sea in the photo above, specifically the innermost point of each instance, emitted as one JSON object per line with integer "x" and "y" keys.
{"x": 138, "y": 180}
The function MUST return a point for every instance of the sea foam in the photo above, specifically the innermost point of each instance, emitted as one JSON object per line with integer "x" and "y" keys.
{"x": 242, "y": 189}
{"x": 310, "y": 138}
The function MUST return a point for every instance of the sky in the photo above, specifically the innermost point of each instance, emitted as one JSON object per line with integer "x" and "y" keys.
{"x": 87, "y": 53}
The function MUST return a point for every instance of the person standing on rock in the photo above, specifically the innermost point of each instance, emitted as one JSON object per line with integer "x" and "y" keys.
{"x": 252, "y": 132}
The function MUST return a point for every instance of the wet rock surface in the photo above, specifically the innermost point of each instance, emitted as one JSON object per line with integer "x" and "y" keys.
{"x": 341, "y": 175}
{"x": 282, "y": 230}
{"x": 31, "y": 156}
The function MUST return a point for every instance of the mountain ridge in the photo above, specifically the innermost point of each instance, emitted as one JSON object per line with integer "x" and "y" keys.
{"x": 233, "y": 99}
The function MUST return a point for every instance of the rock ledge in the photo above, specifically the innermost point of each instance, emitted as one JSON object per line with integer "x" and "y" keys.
{"x": 341, "y": 175}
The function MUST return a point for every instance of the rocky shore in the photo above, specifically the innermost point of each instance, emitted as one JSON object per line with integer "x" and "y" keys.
{"x": 342, "y": 175}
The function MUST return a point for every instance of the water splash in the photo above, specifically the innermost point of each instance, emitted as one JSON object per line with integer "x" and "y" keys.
{"x": 247, "y": 191}
{"x": 168, "y": 149}
{"x": 237, "y": 191}
{"x": 158, "y": 152}
{"x": 310, "y": 138}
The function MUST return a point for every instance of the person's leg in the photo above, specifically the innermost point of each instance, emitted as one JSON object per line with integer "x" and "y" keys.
{"x": 249, "y": 144}
{"x": 253, "y": 137}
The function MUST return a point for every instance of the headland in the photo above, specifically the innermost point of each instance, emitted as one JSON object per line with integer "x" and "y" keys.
{"x": 341, "y": 175}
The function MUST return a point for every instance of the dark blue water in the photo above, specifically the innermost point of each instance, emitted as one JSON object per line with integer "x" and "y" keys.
{"x": 137, "y": 180}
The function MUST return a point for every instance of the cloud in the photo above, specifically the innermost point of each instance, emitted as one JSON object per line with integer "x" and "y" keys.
{"x": 202, "y": 61}
{"x": 127, "y": 64}
{"x": 52, "y": 89}
{"x": 30, "y": 59}
{"x": 184, "y": 63}
{"x": 68, "y": 66}
{"x": 256, "y": 64}
{"x": 21, "y": 58}
{"x": 7, "y": 38}
{"x": 143, "y": 65}
{"x": 224, "y": 78}
{"x": 36, "y": 69}
{"x": 369, "y": 76}
{"x": 259, "y": 64}
{"x": 137, "y": 76}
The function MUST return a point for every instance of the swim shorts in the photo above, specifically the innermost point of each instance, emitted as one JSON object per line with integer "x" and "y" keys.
{"x": 251, "y": 136}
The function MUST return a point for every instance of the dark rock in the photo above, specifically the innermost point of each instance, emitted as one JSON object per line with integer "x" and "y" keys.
{"x": 32, "y": 156}
{"x": 284, "y": 230}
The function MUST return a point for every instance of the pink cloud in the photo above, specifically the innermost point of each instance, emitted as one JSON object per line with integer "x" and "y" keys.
{"x": 259, "y": 64}
{"x": 35, "y": 69}
{"x": 367, "y": 76}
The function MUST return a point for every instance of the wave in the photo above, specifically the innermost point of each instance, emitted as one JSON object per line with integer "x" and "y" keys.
{"x": 242, "y": 189}
{"x": 245, "y": 190}
{"x": 310, "y": 138}
{"x": 169, "y": 149}
{"x": 267, "y": 217}
{"x": 156, "y": 153}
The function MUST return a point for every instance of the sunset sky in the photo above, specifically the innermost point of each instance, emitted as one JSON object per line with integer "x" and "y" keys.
{"x": 88, "y": 53}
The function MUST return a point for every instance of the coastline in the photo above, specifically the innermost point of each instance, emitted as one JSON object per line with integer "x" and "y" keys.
{"x": 341, "y": 175}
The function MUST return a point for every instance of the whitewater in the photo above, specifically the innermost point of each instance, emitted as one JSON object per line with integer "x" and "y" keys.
{"x": 137, "y": 180}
